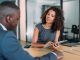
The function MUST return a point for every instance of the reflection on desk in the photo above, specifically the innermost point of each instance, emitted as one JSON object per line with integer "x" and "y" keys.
{"x": 37, "y": 52}
{"x": 70, "y": 53}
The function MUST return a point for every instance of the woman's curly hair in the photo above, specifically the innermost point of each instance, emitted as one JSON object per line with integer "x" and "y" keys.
{"x": 59, "y": 19}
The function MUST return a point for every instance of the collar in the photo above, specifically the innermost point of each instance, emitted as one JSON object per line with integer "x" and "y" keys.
{"x": 4, "y": 28}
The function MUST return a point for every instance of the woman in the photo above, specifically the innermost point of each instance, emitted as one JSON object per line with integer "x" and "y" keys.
{"x": 49, "y": 30}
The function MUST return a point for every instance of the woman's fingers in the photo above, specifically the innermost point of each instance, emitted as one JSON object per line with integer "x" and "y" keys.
{"x": 48, "y": 44}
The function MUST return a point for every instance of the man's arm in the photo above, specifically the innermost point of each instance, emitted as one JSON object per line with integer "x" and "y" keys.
{"x": 12, "y": 50}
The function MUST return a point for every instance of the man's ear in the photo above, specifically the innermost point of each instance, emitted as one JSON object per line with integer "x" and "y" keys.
{"x": 8, "y": 19}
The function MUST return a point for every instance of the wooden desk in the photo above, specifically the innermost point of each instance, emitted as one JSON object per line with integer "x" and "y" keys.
{"x": 70, "y": 53}
{"x": 37, "y": 52}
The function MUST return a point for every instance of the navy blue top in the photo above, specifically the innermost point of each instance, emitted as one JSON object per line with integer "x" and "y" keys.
{"x": 45, "y": 35}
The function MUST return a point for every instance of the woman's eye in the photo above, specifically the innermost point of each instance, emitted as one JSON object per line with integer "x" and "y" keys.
{"x": 48, "y": 14}
{"x": 53, "y": 16}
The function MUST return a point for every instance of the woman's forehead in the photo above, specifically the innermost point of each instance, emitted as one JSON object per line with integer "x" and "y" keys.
{"x": 52, "y": 12}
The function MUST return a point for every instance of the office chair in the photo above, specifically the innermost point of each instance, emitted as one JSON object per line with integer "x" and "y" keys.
{"x": 75, "y": 31}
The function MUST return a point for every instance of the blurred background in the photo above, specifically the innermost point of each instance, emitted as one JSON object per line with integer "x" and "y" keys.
{"x": 70, "y": 8}
{"x": 31, "y": 11}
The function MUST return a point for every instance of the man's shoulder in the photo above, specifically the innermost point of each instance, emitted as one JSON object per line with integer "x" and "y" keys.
{"x": 6, "y": 33}
{"x": 7, "y": 37}
{"x": 2, "y": 33}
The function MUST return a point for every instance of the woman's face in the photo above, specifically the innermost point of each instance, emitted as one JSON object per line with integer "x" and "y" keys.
{"x": 50, "y": 16}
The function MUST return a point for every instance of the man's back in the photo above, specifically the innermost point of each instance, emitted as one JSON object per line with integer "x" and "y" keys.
{"x": 10, "y": 48}
{"x": 2, "y": 33}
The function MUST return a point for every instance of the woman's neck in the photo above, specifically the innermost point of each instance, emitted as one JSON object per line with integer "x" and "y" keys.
{"x": 47, "y": 26}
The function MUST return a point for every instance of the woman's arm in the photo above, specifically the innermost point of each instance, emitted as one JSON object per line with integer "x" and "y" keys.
{"x": 56, "y": 43}
{"x": 57, "y": 36}
{"x": 35, "y": 39}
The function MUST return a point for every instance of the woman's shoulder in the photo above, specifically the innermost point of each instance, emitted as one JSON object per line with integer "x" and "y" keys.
{"x": 39, "y": 26}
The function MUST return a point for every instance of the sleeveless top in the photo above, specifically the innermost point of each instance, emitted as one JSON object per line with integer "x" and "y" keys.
{"x": 45, "y": 35}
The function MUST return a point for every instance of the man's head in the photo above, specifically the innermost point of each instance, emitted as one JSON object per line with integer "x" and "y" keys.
{"x": 9, "y": 14}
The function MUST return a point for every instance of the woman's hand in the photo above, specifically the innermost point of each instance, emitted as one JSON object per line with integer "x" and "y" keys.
{"x": 48, "y": 44}
{"x": 56, "y": 43}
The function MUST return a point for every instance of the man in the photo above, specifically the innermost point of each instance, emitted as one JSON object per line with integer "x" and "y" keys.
{"x": 10, "y": 48}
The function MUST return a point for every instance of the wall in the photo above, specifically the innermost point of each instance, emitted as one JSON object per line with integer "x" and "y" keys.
{"x": 71, "y": 14}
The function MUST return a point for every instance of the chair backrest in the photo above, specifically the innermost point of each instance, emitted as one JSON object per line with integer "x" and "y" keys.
{"x": 74, "y": 29}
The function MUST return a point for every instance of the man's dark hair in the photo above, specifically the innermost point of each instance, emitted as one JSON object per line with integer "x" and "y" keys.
{"x": 9, "y": 4}
{"x": 7, "y": 8}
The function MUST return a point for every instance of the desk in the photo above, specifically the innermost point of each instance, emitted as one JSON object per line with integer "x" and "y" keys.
{"x": 37, "y": 52}
{"x": 70, "y": 53}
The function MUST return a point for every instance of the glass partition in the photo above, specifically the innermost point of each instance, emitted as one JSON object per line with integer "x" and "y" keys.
{"x": 35, "y": 8}
{"x": 71, "y": 23}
